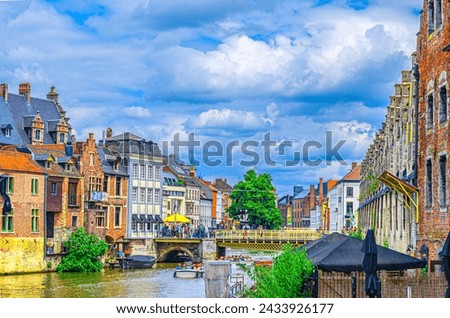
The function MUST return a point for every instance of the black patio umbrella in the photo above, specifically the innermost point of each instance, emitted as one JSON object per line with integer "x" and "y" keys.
{"x": 370, "y": 251}
{"x": 337, "y": 252}
{"x": 445, "y": 253}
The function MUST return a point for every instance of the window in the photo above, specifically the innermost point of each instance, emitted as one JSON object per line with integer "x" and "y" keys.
{"x": 142, "y": 175}
{"x": 100, "y": 218}
{"x": 135, "y": 170}
{"x": 149, "y": 195}
{"x": 350, "y": 191}
{"x": 349, "y": 208}
{"x": 428, "y": 183}
{"x": 34, "y": 186}
{"x": 118, "y": 186}
{"x": 105, "y": 184}
{"x": 34, "y": 220}
{"x": 8, "y": 132}
{"x": 157, "y": 192}
{"x": 443, "y": 181}
{"x": 431, "y": 25}
{"x": 72, "y": 194}
{"x": 430, "y": 105}
{"x": 142, "y": 195}
{"x": 48, "y": 164}
{"x": 10, "y": 185}
{"x": 69, "y": 167}
{"x": 74, "y": 221}
{"x": 438, "y": 14}
{"x": 442, "y": 104}
{"x": 91, "y": 159}
{"x": 7, "y": 222}
{"x": 150, "y": 172}
{"x": 53, "y": 188}
{"x": 117, "y": 216}
{"x": 134, "y": 194}
{"x": 37, "y": 134}
{"x": 157, "y": 173}
{"x": 62, "y": 138}
{"x": 134, "y": 225}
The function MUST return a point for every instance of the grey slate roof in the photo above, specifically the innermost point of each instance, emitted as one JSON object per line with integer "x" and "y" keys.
{"x": 21, "y": 114}
{"x": 108, "y": 158}
{"x": 6, "y": 120}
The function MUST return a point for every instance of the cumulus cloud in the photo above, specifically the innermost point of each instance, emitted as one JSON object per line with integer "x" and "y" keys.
{"x": 137, "y": 112}
{"x": 234, "y": 70}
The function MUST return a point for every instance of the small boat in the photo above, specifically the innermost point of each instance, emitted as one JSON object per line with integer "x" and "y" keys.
{"x": 137, "y": 261}
{"x": 188, "y": 273}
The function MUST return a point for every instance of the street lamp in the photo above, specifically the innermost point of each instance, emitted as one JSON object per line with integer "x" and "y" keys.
{"x": 424, "y": 254}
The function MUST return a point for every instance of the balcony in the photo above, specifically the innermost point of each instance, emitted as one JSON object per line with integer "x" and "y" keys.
{"x": 98, "y": 196}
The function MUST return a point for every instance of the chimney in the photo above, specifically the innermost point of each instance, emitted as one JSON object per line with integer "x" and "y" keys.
{"x": 312, "y": 196}
{"x": 354, "y": 165}
{"x": 109, "y": 132}
{"x": 320, "y": 190}
{"x": 4, "y": 91}
{"x": 25, "y": 89}
{"x": 53, "y": 95}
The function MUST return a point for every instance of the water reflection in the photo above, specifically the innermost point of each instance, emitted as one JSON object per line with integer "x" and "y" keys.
{"x": 156, "y": 282}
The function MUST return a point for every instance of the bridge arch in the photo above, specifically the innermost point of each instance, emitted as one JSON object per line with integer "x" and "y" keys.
{"x": 170, "y": 253}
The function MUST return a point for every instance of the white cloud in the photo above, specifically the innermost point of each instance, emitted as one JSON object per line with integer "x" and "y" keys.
{"x": 137, "y": 112}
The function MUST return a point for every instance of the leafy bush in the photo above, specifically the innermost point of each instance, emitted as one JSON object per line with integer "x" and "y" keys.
{"x": 83, "y": 253}
{"x": 285, "y": 279}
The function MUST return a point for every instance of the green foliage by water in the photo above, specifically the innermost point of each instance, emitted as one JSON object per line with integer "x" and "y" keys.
{"x": 285, "y": 279}
{"x": 255, "y": 194}
{"x": 84, "y": 253}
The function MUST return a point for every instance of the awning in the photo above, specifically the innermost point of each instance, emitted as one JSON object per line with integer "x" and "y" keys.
{"x": 144, "y": 218}
{"x": 400, "y": 186}
{"x": 151, "y": 218}
{"x": 136, "y": 218}
{"x": 158, "y": 219}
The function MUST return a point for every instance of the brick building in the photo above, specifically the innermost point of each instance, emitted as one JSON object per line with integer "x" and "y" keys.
{"x": 105, "y": 192}
{"x": 115, "y": 188}
{"x": 433, "y": 59}
{"x": 22, "y": 183}
{"x": 390, "y": 206}
{"x": 64, "y": 194}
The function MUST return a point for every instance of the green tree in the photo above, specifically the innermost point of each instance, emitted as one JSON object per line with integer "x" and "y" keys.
{"x": 83, "y": 253}
{"x": 255, "y": 195}
{"x": 285, "y": 279}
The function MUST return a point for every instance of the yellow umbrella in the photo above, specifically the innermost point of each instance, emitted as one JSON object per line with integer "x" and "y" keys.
{"x": 174, "y": 218}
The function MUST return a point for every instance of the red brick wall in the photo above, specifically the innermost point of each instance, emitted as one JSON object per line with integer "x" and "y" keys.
{"x": 434, "y": 223}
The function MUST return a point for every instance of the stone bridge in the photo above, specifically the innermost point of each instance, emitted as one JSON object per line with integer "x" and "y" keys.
{"x": 167, "y": 248}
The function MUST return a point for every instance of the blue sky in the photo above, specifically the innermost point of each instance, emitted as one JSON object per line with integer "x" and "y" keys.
{"x": 229, "y": 71}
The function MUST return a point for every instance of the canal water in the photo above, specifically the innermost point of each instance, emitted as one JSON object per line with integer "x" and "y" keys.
{"x": 156, "y": 282}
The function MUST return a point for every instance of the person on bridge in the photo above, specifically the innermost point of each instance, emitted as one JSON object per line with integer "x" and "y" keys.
{"x": 260, "y": 230}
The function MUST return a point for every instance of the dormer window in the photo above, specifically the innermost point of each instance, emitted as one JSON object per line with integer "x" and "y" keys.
{"x": 48, "y": 164}
{"x": 62, "y": 138}
{"x": 7, "y": 130}
{"x": 69, "y": 167}
{"x": 37, "y": 134}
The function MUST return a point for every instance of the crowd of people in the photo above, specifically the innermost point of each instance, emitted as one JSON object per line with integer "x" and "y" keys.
{"x": 185, "y": 231}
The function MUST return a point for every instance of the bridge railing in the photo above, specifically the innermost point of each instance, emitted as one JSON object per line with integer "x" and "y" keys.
{"x": 294, "y": 235}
